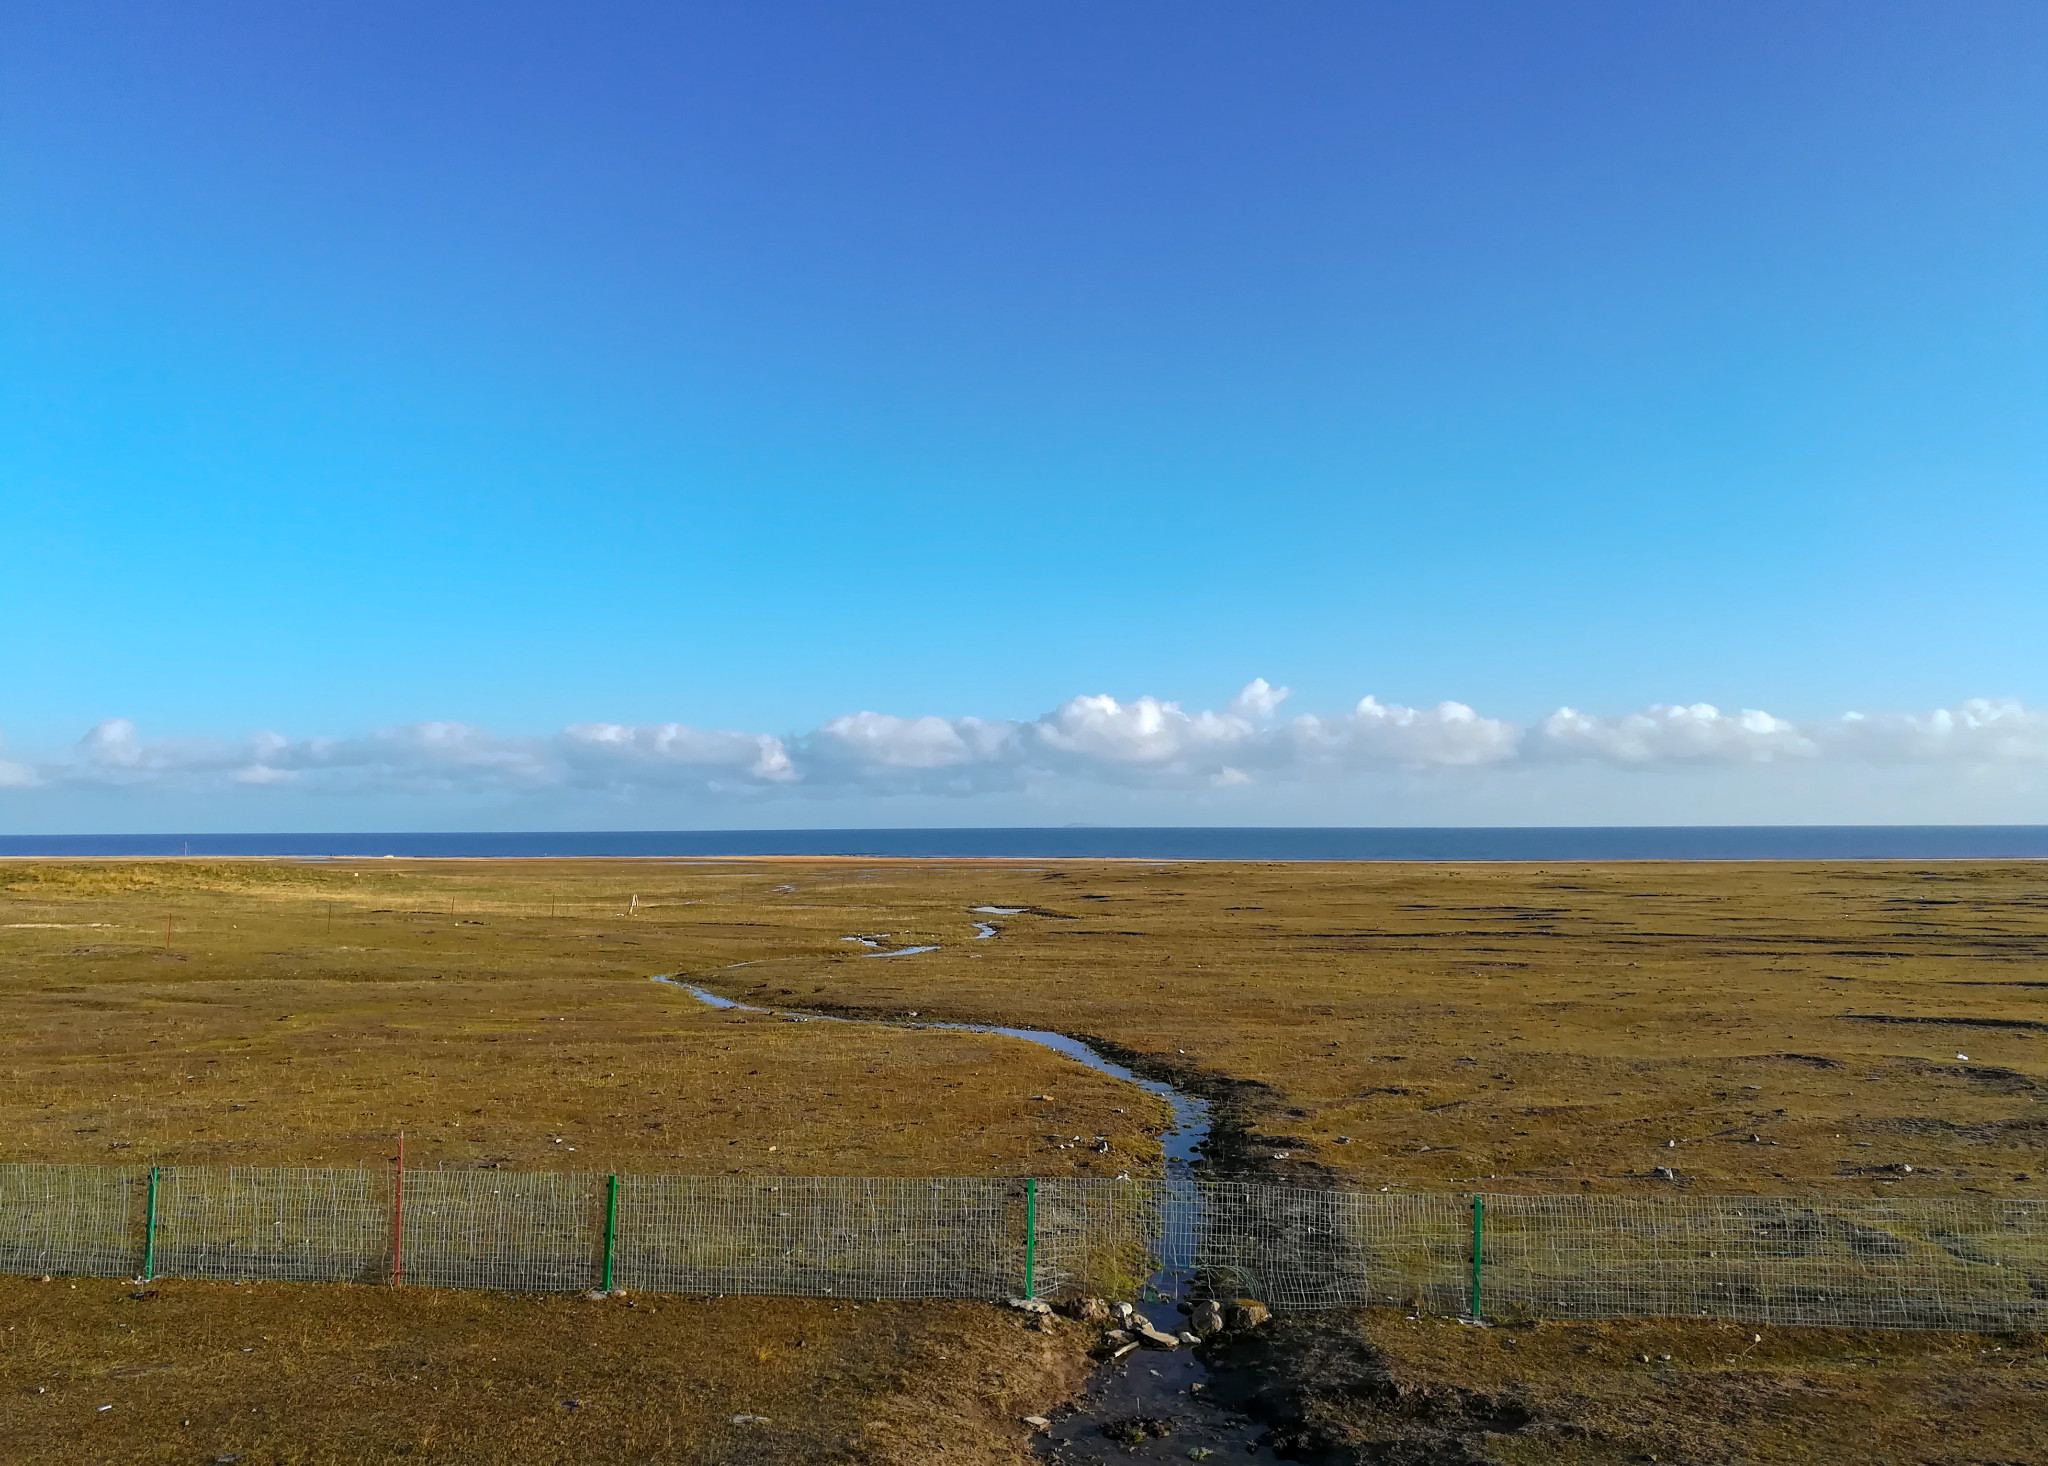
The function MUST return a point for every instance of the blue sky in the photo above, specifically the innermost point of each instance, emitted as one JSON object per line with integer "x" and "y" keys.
{"x": 745, "y": 367}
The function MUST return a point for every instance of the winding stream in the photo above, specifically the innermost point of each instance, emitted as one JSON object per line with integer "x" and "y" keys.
{"x": 1173, "y": 1389}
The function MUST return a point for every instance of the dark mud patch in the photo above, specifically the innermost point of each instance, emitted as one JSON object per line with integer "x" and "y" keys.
{"x": 1328, "y": 1397}
{"x": 2027, "y": 1025}
{"x": 1812, "y": 1061}
{"x": 1236, "y": 1147}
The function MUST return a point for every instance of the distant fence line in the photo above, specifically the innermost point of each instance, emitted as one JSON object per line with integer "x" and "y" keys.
{"x": 1953, "y": 1262}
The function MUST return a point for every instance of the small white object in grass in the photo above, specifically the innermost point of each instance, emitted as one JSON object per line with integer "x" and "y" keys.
{"x": 1964, "y": 1057}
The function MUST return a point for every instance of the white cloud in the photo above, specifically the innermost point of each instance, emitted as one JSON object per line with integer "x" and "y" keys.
{"x": 884, "y": 742}
{"x": 1977, "y": 731}
{"x": 1670, "y": 733}
{"x": 1140, "y": 744}
{"x": 1258, "y": 700}
{"x": 1378, "y": 734}
{"x": 613, "y": 753}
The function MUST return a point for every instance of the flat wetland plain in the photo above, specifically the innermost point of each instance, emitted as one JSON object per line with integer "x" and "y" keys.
{"x": 1805, "y": 1029}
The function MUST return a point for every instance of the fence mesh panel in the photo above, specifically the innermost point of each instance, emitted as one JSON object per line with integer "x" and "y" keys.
{"x": 1941, "y": 1262}
{"x": 1944, "y": 1262}
{"x": 1096, "y": 1237}
{"x": 531, "y": 1231}
{"x": 1288, "y": 1246}
{"x": 839, "y": 1237}
{"x": 78, "y": 1221}
{"x": 242, "y": 1222}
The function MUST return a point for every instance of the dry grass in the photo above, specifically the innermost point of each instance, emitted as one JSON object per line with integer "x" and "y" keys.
{"x": 321, "y": 1375}
{"x": 1518, "y": 1027}
{"x": 305, "y": 1017}
{"x": 1381, "y": 1386}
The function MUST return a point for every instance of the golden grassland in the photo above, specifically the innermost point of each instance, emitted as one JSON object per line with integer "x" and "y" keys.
{"x": 326, "y": 1374}
{"x": 1794, "y": 1028}
{"x": 1603, "y": 1394}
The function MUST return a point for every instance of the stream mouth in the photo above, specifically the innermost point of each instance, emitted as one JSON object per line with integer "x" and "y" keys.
{"x": 1152, "y": 1405}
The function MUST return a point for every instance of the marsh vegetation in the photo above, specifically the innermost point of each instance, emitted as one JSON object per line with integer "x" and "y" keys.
{"x": 1801, "y": 1029}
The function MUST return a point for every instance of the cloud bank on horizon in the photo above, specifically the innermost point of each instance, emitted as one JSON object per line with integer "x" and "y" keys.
{"x": 1144, "y": 743}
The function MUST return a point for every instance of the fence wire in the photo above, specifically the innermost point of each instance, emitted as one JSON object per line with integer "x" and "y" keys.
{"x": 1946, "y": 1262}
{"x": 1941, "y": 1262}
{"x": 241, "y": 1223}
{"x": 78, "y": 1221}
{"x": 522, "y": 1231}
{"x": 837, "y": 1237}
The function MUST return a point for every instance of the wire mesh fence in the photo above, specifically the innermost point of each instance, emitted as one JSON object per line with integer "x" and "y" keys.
{"x": 835, "y": 1237}
{"x": 1945, "y": 1262}
{"x": 237, "y": 1222}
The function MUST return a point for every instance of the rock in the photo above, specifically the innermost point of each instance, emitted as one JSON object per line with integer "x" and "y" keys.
{"x": 597, "y": 1295}
{"x": 1135, "y": 1431}
{"x": 1246, "y": 1313}
{"x": 750, "y": 1420}
{"x": 1189, "y": 1337}
{"x": 1029, "y": 1305}
{"x": 1123, "y": 1350}
{"x": 1115, "y": 1337}
{"x": 1205, "y": 1318}
{"x": 1664, "y": 1173}
{"x": 1123, "y": 1311}
{"x": 1036, "y": 1422}
{"x": 1087, "y": 1310}
{"x": 1157, "y": 1338}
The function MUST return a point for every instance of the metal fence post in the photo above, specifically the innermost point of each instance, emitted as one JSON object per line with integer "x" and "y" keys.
{"x": 1478, "y": 1253}
{"x": 149, "y": 1230}
{"x": 611, "y": 1227}
{"x": 398, "y": 1217}
{"x": 1030, "y": 1237}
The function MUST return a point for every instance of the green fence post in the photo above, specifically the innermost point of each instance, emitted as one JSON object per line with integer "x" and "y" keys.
{"x": 1030, "y": 1237}
{"x": 1478, "y": 1253}
{"x": 611, "y": 1227}
{"x": 149, "y": 1230}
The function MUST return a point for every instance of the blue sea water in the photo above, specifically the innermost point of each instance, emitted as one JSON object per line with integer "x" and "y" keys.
{"x": 1706, "y": 842}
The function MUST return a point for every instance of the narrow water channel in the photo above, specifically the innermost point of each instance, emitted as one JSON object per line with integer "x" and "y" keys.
{"x": 1152, "y": 1405}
